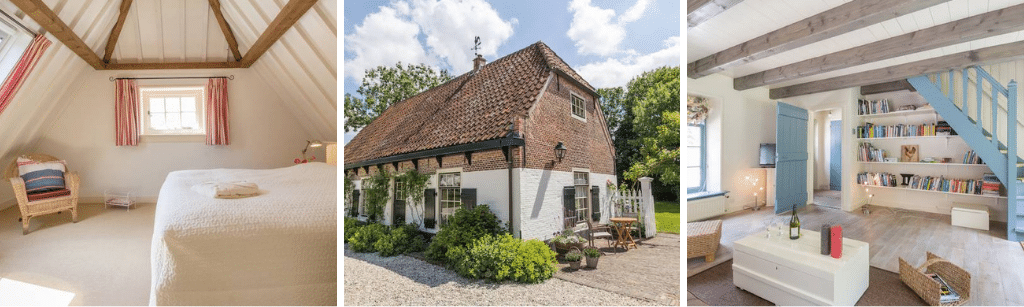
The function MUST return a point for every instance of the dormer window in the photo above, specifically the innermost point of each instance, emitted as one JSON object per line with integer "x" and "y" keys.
{"x": 578, "y": 108}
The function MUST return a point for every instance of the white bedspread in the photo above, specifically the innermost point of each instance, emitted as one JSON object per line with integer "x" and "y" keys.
{"x": 277, "y": 248}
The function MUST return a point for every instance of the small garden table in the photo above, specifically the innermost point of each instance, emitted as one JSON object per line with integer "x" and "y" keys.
{"x": 622, "y": 227}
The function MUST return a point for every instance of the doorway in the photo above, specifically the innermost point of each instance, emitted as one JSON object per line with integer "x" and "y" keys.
{"x": 828, "y": 172}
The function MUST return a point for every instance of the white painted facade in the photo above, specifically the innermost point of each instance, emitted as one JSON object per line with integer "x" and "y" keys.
{"x": 538, "y": 192}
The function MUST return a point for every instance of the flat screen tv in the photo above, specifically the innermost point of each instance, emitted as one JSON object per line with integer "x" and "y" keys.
{"x": 767, "y": 155}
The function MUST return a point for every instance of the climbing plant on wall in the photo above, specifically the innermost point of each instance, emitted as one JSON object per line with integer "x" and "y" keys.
{"x": 376, "y": 189}
{"x": 413, "y": 184}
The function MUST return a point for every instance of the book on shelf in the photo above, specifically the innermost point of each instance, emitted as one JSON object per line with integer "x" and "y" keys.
{"x": 868, "y": 153}
{"x": 990, "y": 185}
{"x": 867, "y": 107}
{"x": 926, "y": 183}
{"x": 971, "y": 157}
{"x": 870, "y": 130}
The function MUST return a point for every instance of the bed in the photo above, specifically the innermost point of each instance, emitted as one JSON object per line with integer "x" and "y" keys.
{"x": 277, "y": 248}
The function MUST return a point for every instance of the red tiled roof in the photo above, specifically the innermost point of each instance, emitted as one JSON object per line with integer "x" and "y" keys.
{"x": 472, "y": 107}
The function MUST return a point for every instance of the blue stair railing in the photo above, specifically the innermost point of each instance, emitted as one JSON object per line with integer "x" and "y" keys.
{"x": 982, "y": 134}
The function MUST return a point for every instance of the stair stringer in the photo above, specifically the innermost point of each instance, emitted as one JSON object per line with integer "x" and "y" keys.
{"x": 964, "y": 127}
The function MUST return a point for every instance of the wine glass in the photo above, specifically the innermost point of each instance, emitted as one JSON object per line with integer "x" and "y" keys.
{"x": 769, "y": 224}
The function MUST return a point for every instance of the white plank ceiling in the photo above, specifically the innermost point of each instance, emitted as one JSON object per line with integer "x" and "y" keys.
{"x": 753, "y": 18}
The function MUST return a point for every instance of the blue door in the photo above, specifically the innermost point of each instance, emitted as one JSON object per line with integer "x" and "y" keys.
{"x": 791, "y": 158}
{"x": 835, "y": 164}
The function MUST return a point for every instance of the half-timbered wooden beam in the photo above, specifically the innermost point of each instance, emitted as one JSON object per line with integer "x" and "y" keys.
{"x": 230, "y": 37}
{"x": 52, "y": 23}
{"x": 983, "y": 56}
{"x": 116, "y": 31}
{"x": 699, "y": 11}
{"x": 842, "y": 19}
{"x": 289, "y": 14}
{"x": 989, "y": 24}
{"x": 885, "y": 87}
{"x": 182, "y": 65}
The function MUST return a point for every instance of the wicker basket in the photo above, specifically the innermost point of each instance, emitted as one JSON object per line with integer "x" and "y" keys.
{"x": 702, "y": 239}
{"x": 927, "y": 288}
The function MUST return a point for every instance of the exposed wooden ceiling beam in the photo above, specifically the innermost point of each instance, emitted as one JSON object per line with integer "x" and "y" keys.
{"x": 989, "y": 24}
{"x": 984, "y": 56}
{"x": 52, "y": 23}
{"x": 699, "y": 11}
{"x": 230, "y": 37}
{"x": 289, "y": 14}
{"x": 839, "y": 20}
{"x": 183, "y": 65}
{"x": 898, "y": 85}
{"x": 116, "y": 31}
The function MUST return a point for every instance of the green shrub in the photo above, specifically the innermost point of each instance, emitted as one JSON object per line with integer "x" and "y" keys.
{"x": 463, "y": 227}
{"x": 351, "y": 226}
{"x": 403, "y": 239}
{"x": 366, "y": 237}
{"x": 503, "y": 257}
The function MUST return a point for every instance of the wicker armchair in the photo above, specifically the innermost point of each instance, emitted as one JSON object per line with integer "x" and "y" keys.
{"x": 30, "y": 209}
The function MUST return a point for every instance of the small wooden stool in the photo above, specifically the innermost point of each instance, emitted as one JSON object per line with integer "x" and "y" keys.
{"x": 702, "y": 239}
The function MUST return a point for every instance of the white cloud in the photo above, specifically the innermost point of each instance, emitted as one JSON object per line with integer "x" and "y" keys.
{"x": 446, "y": 26}
{"x": 618, "y": 72}
{"x": 596, "y": 30}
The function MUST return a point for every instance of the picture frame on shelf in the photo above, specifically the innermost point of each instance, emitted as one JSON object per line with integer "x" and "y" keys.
{"x": 909, "y": 153}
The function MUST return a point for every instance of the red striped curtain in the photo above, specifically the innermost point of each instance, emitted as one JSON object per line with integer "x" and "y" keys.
{"x": 217, "y": 111}
{"x": 20, "y": 72}
{"x": 126, "y": 113}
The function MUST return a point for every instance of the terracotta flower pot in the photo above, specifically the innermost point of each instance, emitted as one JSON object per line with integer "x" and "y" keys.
{"x": 592, "y": 262}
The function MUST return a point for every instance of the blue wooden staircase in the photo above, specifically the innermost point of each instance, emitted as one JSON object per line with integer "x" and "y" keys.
{"x": 985, "y": 111}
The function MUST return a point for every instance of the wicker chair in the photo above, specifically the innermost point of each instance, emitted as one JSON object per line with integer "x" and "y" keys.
{"x": 30, "y": 209}
{"x": 927, "y": 288}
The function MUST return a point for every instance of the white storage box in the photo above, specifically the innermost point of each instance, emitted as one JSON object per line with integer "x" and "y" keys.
{"x": 970, "y": 216}
{"x": 118, "y": 198}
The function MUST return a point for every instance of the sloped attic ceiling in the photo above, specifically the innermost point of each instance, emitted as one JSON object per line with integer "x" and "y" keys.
{"x": 301, "y": 66}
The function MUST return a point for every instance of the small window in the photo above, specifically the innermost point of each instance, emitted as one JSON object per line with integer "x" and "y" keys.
{"x": 579, "y": 109}
{"x": 696, "y": 158}
{"x": 172, "y": 110}
{"x": 450, "y": 186}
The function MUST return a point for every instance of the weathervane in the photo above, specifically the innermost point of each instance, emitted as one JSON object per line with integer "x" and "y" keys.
{"x": 476, "y": 46}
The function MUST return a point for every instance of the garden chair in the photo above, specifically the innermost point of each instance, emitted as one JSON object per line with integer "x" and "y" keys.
{"x": 598, "y": 231}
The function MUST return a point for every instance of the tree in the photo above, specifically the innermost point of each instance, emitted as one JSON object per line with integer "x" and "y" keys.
{"x": 384, "y": 86}
{"x": 613, "y": 105}
{"x": 655, "y": 104}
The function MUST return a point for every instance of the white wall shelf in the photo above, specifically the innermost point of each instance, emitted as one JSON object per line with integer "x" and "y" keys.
{"x": 899, "y": 113}
{"x": 910, "y": 137}
{"x": 925, "y": 163}
{"x": 929, "y": 191}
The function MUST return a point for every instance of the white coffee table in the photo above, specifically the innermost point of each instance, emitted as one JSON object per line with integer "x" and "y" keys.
{"x": 794, "y": 272}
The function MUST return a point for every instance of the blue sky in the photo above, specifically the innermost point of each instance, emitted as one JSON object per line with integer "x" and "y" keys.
{"x": 607, "y": 42}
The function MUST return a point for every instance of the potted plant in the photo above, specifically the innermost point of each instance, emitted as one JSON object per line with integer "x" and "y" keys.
{"x": 574, "y": 258}
{"x": 592, "y": 256}
{"x": 565, "y": 242}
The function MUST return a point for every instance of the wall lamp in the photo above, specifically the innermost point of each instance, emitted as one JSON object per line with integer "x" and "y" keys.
{"x": 560, "y": 151}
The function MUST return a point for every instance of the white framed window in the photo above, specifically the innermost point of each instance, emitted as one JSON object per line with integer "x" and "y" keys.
{"x": 177, "y": 110}
{"x": 450, "y": 187}
{"x": 579, "y": 107}
{"x": 582, "y": 184}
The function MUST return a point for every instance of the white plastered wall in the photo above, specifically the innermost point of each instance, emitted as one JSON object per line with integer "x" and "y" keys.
{"x": 541, "y": 208}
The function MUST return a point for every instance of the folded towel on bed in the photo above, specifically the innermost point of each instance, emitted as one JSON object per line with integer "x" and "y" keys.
{"x": 231, "y": 189}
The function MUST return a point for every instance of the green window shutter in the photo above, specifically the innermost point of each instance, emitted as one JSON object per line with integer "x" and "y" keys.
{"x": 468, "y": 198}
{"x": 569, "y": 199}
{"x": 595, "y": 199}
{"x": 429, "y": 199}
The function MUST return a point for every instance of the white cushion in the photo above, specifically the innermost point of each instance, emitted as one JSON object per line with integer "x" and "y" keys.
{"x": 26, "y": 166}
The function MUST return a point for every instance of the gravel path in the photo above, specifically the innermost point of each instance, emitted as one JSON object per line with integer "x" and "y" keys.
{"x": 403, "y": 280}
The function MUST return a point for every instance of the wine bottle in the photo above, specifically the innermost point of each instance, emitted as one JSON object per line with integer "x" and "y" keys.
{"x": 794, "y": 226}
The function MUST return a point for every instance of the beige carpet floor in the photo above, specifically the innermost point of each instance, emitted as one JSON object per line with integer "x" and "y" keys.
{"x": 103, "y": 259}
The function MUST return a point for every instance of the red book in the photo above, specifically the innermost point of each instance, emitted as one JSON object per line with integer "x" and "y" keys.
{"x": 837, "y": 241}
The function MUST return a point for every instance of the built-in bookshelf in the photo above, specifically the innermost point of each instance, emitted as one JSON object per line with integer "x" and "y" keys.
{"x": 927, "y": 191}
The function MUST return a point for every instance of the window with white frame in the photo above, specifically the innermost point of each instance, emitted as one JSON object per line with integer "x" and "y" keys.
{"x": 450, "y": 187}
{"x": 172, "y": 110}
{"x": 579, "y": 109}
{"x": 582, "y": 187}
{"x": 696, "y": 158}
{"x": 362, "y": 199}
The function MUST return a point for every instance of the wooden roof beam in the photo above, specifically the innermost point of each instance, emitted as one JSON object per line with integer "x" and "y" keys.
{"x": 289, "y": 14}
{"x": 985, "y": 25}
{"x": 230, "y": 37}
{"x": 898, "y": 85}
{"x": 182, "y": 65}
{"x": 116, "y": 31}
{"x": 699, "y": 11}
{"x": 983, "y": 56}
{"x": 842, "y": 19}
{"x": 52, "y": 23}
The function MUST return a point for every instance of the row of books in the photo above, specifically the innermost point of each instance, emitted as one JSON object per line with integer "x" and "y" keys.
{"x": 868, "y": 153}
{"x": 877, "y": 179}
{"x": 990, "y": 185}
{"x": 971, "y": 157}
{"x": 869, "y": 130}
{"x": 927, "y": 183}
{"x": 873, "y": 106}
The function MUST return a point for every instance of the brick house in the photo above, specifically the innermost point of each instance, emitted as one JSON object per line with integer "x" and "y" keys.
{"x": 490, "y": 136}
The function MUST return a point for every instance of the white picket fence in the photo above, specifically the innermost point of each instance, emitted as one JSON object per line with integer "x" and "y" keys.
{"x": 637, "y": 204}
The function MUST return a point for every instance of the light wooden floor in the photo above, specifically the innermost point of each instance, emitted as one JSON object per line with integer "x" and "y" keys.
{"x": 996, "y": 265}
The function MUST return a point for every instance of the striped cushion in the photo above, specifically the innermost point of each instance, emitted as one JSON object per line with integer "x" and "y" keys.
{"x": 43, "y": 180}
{"x": 50, "y": 194}
{"x": 26, "y": 166}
